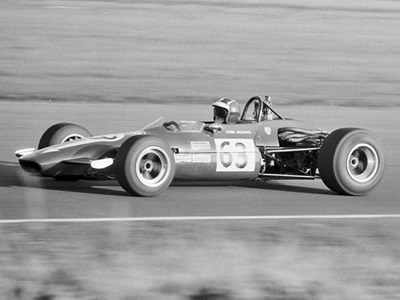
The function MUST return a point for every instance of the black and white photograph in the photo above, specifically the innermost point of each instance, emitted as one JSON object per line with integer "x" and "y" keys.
{"x": 199, "y": 149}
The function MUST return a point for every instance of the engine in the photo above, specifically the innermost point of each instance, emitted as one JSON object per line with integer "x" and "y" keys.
{"x": 297, "y": 154}
{"x": 303, "y": 163}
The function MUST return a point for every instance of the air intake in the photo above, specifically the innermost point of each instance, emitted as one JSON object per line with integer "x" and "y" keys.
{"x": 30, "y": 167}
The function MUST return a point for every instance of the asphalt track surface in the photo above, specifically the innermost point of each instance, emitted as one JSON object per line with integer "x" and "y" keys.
{"x": 26, "y": 197}
{"x": 338, "y": 52}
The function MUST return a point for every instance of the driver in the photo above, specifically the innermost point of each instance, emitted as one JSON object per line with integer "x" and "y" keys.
{"x": 226, "y": 111}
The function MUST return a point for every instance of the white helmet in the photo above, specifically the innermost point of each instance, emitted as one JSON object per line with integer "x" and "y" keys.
{"x": 226, "y": 109}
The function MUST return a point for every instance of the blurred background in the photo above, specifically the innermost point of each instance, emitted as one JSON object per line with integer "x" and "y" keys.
{"x": 316, "y": 52}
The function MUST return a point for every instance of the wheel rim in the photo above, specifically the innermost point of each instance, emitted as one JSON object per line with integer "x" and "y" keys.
{"x": 72, "y": 137}
{"x": 362, "y": 163}
{"x": 152, "y": 166}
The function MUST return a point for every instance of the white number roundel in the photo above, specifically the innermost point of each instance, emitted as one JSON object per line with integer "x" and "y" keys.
{"x": 235, "y": 155}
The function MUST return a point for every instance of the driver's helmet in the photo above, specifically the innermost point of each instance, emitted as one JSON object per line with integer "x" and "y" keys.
{"x": 226, "y": 109}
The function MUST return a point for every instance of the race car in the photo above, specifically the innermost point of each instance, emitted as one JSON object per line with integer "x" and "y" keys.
{"x": 257, "y": 144}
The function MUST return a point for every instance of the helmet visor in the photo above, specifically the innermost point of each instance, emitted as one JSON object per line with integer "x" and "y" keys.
{"x": 220, "y": 112}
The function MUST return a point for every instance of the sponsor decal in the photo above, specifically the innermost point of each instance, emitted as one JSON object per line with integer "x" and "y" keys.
{"x": 268, "y": 130}
{"x": 200, "y": 145}
{"x": 183, "y": 158}
{"x": 201, "y": 158}
{"x": 195, "y": 158}
{"x": 235, "y": 155}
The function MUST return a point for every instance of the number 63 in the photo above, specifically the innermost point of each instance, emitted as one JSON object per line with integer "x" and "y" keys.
{"x": 235, "y": 153}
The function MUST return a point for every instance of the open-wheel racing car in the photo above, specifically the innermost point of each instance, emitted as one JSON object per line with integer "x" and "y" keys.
{"x": 255, "y": 145}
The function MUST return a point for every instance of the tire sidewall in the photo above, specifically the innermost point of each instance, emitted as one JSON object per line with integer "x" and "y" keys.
{"x": 57, "y": 133}
{"x": 127, "y": 165}
{"x": 340, "y": 162}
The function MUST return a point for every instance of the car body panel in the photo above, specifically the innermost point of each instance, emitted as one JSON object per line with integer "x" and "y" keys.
{"x": 231, "y": 152}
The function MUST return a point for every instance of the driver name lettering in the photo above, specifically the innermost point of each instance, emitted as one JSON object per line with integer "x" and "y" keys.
{"x": 238, "y": 132}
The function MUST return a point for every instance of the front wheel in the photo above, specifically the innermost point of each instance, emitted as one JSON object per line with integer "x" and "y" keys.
{"x": 62, "y": 133}
{"x": 351, "y": 161}
{"x": 145, "y": 165}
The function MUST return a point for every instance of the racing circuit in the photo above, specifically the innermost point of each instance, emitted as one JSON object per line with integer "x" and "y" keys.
{"x": 115, "y": 66}
{"x": 27, "y": 197}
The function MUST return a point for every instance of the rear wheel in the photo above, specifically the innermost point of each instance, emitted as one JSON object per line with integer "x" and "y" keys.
{"x": 145, "y": 165}
{"x": 62, "y": 133}
{"x": 351, "y": 161}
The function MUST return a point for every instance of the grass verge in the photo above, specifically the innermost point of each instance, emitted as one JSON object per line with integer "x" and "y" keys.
{"x": 351, "y": 259}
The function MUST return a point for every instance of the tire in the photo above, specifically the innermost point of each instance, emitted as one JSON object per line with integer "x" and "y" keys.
{"x": 145, "y": 165}
{"x": 61, "y": 133}
{"x": 351, "y": 161}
